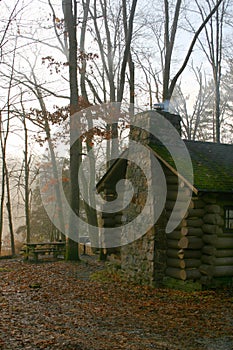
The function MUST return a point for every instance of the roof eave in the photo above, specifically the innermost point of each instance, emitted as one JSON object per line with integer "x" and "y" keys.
{"x": 174, "y": 171}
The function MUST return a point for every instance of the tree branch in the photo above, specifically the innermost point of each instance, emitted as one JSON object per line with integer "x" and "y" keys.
{"x": 174, "y": 80}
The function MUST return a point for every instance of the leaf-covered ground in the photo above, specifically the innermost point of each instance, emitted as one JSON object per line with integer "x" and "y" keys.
{"x": 55, "y": 305}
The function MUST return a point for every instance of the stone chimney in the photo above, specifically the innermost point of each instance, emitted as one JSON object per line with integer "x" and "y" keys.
{"x": 174, "y": 119}
{"x": 150, "y": 120}
{"x": 168, "y": 133}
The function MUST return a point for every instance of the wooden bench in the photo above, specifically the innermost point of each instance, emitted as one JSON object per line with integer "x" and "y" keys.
{"x": 47, "y": 248}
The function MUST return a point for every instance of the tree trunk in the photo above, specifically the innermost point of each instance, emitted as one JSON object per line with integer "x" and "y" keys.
{"x": 53, "y": 161}
{"x": 70, "y": 16}
{"x": 26, "y": 175}
{"x": 9, "y": 210}
{"x": 169, "y": 84}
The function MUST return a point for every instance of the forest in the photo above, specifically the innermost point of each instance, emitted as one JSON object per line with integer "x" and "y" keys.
{"x": 73, "y": 74}
{"x": 59, "y": 59}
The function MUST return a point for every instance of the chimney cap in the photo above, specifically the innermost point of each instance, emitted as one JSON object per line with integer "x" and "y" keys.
{"x": 158, "y": 106}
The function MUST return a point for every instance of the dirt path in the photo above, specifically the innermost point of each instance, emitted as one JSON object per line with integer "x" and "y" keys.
{"x": 55, "y": 305}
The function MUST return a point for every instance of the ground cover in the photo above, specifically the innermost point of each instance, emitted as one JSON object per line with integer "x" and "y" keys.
{"x": 56, "y": 305}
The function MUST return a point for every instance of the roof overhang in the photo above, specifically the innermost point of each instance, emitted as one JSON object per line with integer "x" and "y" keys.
{"x": 174, "y": 171}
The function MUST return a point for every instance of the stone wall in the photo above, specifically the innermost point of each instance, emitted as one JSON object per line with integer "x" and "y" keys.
{"x": 144, "y": 260}
{"x": 137, "y": 257}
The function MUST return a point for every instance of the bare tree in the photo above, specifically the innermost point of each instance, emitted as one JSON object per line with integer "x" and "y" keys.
{"x": 166, "y": 38}
{"x": 227, "y": 102}
{"x": 12, "y": 16}
{"x": 70, "y": 16}
{"x": 197, "y": 123}
{"x": 214, "y": 52}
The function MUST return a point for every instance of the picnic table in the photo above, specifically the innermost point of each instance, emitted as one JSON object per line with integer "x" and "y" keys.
{"x": 43, "y": 248}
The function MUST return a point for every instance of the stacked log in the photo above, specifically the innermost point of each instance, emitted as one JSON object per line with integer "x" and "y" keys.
{"x": 112, "y": 219}
{"x": 184, "y": 244}
{"x": 217, "y": 253}
{"x": 109, "y": 220}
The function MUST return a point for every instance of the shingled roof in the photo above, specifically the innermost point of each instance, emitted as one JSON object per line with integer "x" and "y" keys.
{"x": 212, "y": 164}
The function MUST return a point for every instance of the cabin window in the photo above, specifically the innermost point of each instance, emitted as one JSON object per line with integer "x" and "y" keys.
{"x": 229, "y": 219}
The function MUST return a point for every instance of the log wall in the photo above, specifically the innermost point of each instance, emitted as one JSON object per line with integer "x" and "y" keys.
{"x": 217, "y": 253}
{"x": 185, "y": 242}
{"x": 198, "y": 249}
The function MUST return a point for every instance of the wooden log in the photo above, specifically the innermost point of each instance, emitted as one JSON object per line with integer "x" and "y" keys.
{"x": 224, "y": 242}
{"x": 191, "y": 205}
{"x": 191, "y": 263}
{"x": 194, "y": 231}
{"x": 171, "y": 262}
{"x": 118, "y": 219}
{"x": 223, "y": 271}
{"x": 213, "y": 208}
{"x": 175, "y": 253}
{"x": 109, "y": 222}
{"x": 177, "y": 234}
{"x": 194, "y": 222}
{"x": 212, "y": 229}
{"x": 198, "y": 203}
{"x": 173, "y": 243}
{"x": 170, "y": 205}
{"x": 206, "y": 269}
{"x": 192, "y": 254}
{"x": 213, "y": 219}
{"x": 184, "y": 231}
{"x": 107, "y": 215}
{"x": 171, "y": 187}
{"x": 193, "y": 274}
{"x": 176, "y": 273}
{"x": 182, "y": 184}
{"x": 172, "y": 179}
{"x": 184, "y": 195}
{"x": 210, "y": 198}
{"x": 208, "y": 259}
{"x": 209, "y": 250}
{"x": 177, "y": 214}
{"x": 110, "y": 197}
{"x": 182, "y": 223}
{"x": 224, "y": 261}
{"x": 183, "y": 243}
{"x": 183, "y": 263}
{"x": 174, "y": 235}
{"x": 193, "y": 242}
{"x": 210, "y": 239}
{"x": 219, "y": 253}
{"x": 168, "y": 172}
{"x": 196, "y": 213}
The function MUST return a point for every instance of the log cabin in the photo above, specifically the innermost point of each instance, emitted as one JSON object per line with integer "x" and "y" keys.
{"x": 198, "y": 252}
